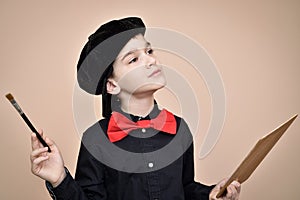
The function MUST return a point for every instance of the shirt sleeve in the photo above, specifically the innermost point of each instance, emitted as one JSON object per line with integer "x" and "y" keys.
{"x": 88, "y": 183}
{"x": 192, "y": 189}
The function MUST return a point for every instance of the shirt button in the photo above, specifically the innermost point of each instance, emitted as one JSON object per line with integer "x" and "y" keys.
{"x": 143, "y": 130}
{"x": 150, "y": 164}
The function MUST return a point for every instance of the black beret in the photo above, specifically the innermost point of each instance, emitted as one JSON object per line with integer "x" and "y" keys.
{"x": 101, "y": 50}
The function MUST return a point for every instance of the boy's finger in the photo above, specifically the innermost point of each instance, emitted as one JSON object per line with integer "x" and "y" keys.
{"x": 49, "y": 141}
{"x": 40, "y": 159}
{"x": 236, "y": 184}
{"x": 41, "y": 132}
{"x": 35, "y": 144}
{"x": 37, "y": 153}
{"x": 232, "y": 192}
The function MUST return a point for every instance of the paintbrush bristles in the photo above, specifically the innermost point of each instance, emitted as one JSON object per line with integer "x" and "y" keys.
{"x": 9, "y": 96}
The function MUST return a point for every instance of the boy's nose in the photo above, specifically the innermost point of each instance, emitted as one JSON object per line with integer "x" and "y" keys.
{"x": 150, "y": 60}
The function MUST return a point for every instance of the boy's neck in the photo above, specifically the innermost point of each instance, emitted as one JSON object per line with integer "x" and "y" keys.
{"x": 137, "y": 106}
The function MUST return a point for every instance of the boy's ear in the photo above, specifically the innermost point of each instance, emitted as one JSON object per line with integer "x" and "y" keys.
{"x": 112, "y": 87}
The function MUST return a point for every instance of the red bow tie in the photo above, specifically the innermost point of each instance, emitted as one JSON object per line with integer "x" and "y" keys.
{"x": 119, "y": 126}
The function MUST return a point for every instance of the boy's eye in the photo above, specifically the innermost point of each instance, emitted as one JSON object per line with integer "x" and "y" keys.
{"x": 150, "y": 51}
{"x": 133, "y": 60}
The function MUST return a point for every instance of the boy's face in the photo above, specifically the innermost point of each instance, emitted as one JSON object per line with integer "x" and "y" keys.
{"x": 136, "y": 69}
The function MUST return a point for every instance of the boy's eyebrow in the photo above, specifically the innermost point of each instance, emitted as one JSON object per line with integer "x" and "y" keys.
{"x": 148, "y": 44}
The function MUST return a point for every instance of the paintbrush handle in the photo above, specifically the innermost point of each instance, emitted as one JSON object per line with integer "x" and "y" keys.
{"x": 35, "y": 131}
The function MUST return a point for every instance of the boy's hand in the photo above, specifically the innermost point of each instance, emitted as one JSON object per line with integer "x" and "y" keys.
{"x": 233, "y": 191}
{"x": 48, "y": 166}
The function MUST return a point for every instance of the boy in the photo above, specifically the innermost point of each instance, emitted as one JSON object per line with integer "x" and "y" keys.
{"x": 157, "y": 149}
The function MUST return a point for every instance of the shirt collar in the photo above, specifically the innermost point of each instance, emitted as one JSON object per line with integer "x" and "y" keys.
{"x": 153, "y": 114}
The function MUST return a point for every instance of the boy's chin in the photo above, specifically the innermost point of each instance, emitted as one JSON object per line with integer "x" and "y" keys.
{"x": 149, "y": 88}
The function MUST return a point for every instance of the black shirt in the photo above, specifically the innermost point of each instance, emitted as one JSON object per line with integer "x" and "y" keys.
{"x": 103, "y": 174}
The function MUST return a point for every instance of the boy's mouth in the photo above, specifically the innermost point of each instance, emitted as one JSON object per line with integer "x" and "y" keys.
{"x": 154, "y": 73}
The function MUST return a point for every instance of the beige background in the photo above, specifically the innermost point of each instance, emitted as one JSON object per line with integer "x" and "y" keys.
{"x": 255, "y": 45}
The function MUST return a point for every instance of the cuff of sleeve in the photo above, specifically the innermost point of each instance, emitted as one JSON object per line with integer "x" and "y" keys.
{"x": 60, "y": 190}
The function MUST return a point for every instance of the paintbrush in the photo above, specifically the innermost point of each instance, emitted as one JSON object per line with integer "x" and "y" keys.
{"x": 18, "y": 108}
